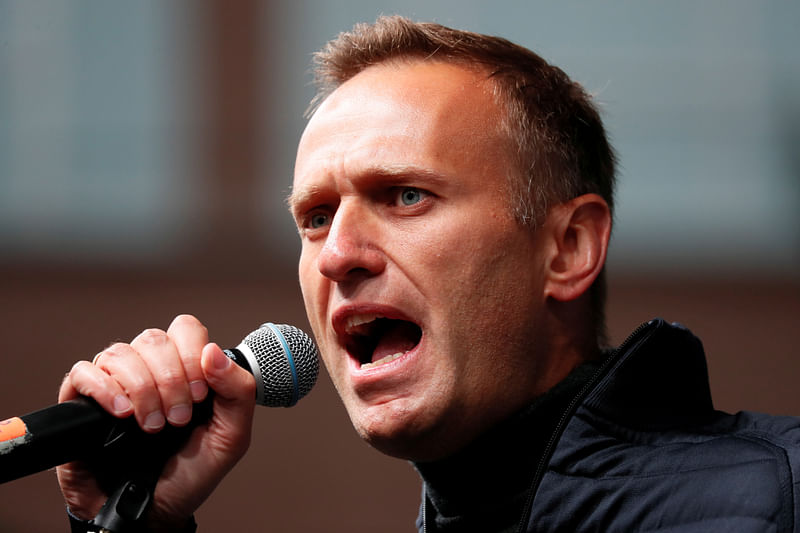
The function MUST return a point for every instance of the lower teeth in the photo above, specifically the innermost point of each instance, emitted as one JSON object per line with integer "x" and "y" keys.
{"x": 382, "y": 360}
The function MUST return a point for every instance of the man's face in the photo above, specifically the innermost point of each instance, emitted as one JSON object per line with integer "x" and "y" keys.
{"x": 422, "y": 290}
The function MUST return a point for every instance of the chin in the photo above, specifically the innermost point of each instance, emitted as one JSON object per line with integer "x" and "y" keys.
{"x": 406, "y": 441}
{"x": 403, "y": 448}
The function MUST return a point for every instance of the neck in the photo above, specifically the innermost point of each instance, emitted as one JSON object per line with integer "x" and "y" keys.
{"x": 486, "y": 484}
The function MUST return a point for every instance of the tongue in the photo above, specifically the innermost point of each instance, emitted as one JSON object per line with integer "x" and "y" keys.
{"x": 399, "y": 337}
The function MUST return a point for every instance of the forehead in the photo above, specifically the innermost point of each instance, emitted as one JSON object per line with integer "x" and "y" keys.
{"x": 415, "y": 113}
{"x": 414, "y": 86}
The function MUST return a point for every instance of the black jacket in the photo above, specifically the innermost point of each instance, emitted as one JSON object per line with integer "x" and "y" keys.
{"x": 641, "y": 448}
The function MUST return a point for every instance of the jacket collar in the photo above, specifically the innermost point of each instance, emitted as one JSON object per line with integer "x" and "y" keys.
{"x": 657, "y": 379}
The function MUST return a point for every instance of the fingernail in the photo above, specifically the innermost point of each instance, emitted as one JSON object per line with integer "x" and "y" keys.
{"x": 121, "y": 404}
{"x": 179, "y": 414}
{"x": 154, "y": 420}
{"x": 221, "y": 361}
{"x": 199, "y": 389}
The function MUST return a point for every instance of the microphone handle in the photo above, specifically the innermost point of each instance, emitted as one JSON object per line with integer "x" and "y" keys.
{"x": 81, "y": 429}
{"x": 52, "y": 436}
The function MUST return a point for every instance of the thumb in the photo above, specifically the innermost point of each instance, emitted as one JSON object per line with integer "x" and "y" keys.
{"x": 214, "y": 448}
{"x": 228, "y": 380}
{"x": 234, "y": 388}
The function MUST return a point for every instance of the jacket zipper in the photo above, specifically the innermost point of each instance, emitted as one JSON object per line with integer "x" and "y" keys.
{"x": 537, "y": 478}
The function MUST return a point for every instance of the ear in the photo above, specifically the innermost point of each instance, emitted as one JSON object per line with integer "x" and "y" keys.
{"x": 579, "y": 231}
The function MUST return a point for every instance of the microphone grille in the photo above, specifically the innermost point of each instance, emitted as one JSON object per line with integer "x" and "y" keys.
{"x": 288, "y": 363}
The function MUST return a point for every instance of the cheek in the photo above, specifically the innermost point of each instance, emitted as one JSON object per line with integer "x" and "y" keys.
{"x": 313, "y": 296}
{"x": 486, "y": 280}
{"x": 463, "y": 264}
{"x": 309, "y": 278}
{"x": 330, "y": 363}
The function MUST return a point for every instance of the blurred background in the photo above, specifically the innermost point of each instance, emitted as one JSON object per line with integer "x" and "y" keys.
{"x": 146, "y": 149}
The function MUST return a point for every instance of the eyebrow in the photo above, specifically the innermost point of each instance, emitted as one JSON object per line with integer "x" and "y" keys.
{"x": 296, "y": 198}
{"x": 399, "y": 173}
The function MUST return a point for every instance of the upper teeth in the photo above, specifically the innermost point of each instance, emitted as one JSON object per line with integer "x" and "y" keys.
{"x": 355, "y": 321}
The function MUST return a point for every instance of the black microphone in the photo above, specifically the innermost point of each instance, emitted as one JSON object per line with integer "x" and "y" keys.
{"x": 282, "y": 358}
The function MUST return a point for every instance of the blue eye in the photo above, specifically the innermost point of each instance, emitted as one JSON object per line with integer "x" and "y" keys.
{"x": 410, "y": 196}
{"x": 318, "y": 220}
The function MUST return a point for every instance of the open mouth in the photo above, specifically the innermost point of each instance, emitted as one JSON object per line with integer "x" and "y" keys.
{"x": 375, "y": 340}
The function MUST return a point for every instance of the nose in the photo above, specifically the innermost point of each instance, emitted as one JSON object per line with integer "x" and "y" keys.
{"x": 351, "y": 247}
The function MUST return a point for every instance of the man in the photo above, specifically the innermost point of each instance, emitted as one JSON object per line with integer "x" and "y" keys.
{"x": 453, "y": 195}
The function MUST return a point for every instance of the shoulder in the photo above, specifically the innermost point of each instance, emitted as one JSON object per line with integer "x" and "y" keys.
{"x": 646, "y": 451}
{"x": 741, "y": 472}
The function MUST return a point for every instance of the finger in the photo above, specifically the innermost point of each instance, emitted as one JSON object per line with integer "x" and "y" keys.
{"x": 127, "y": 367}
{"x": 85, "y": 379}
{"x": 160, "y": 354}
{"x": 189, "y": 336}
{"x": 234, "y": 400}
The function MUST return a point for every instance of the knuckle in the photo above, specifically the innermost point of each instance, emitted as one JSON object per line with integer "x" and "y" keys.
{"x": 80, "y": 372}
{"x": 170, "y": 378}
{"x": 190, "y": 359}
{"x": 189, "y": 322}
{"x": 116, "y": 350}
{"x": 76, "y": 368}
{"x": 138, "y": 387}
{"x": 153, "y": 336}
{"x": 83, "y": 378}
{"x": 186, "y": 320}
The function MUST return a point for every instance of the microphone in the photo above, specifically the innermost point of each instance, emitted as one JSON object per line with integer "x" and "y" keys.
{"x": 282, "y": 358}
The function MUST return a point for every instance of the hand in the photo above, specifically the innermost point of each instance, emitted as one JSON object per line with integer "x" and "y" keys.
{"x": 157, "y": 378}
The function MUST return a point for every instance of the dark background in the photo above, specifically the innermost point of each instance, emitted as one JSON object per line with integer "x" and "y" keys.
{"x": 68, "y": 289}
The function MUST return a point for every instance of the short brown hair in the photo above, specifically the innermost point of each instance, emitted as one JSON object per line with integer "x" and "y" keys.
{"x": 555, "y": 130}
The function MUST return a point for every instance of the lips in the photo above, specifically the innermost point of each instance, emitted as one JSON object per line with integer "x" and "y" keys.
{"x": 374, "y": 339}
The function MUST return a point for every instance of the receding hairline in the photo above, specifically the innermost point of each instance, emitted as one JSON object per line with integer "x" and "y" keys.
{"x": 404, "y": 58}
